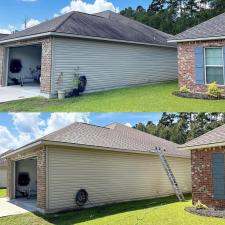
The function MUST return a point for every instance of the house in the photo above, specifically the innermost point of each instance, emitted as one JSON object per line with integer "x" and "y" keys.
{"x": 201, "y": 55}
{"x": 3, "y": 170}
{"x": 207, "y": 156}
{"x": 112, "y": 51}
{"x": 108, "y": 164}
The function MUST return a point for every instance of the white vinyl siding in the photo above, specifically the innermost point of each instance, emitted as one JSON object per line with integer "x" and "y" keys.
{"x": 109, "y": 65}
{"x": 109, "y": 176}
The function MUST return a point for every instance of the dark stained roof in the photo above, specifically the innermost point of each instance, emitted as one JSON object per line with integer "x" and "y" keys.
{"x": 106, "y": 25}
{"x": 215, "y": 136}
{"x": 212, "y": 28}
{"x": 3, "y": 35}
{"x": 115, "y": 136}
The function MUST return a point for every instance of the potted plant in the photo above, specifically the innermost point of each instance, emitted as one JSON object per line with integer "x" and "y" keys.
{"x": 61, "y": 92}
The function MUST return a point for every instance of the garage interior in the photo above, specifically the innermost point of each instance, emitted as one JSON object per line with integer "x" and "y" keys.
{"x": 24, "y": 65}
{"x": 26, "y": 179}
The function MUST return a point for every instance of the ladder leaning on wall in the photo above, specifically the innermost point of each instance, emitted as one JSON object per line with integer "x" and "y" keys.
{"x": 170, "y": 174}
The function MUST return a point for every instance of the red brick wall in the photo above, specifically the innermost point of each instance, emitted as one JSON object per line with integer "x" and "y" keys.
{"x": 202, "y": 181}
{"x": 186, "y": 63}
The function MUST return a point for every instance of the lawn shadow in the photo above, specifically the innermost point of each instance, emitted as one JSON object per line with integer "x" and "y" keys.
{"x": 73, "y": 217}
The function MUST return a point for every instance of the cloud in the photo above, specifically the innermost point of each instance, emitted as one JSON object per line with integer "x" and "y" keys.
{"x": 82, "y": 6}
{"x": 31, "y": 126}
{"x": 30, "y": 23}
{"x": 60, "y": 120}
{"x": 128, "y": 124}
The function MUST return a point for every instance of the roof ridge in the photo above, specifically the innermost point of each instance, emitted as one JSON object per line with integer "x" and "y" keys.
{"x": 145, "y": 133}
{"x": 70, "y": 14}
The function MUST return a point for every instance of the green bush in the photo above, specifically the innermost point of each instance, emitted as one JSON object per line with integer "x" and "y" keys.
{"x": 200, "y": 205}
{"x": 184, "y": 89}
{"x": 214, "y": 90}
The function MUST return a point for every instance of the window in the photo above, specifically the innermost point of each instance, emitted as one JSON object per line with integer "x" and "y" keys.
{"x": 214, "y": 65}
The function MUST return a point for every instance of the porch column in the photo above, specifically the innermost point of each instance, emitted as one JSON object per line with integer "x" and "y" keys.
{"x": 46, "y": 66}
{"x": 1, "y": 65}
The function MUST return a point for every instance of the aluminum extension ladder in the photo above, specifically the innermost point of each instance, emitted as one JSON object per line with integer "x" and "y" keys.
{"x": 170, "y": 174}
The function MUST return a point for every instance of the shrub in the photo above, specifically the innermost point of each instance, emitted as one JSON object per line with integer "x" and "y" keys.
{"x": 200, "y": 205}
{"x": 184, "y": 89}
{"x": 214, "y": 90}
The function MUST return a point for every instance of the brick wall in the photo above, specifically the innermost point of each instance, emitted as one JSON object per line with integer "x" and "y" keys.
{"x": 202, "y": 181}
{"x": 46, "y": 61}
{"x": 186, "y": 63}
{"x": 41, "y": 174}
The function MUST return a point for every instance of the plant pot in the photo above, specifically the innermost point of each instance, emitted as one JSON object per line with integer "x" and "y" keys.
{"x": 61, "y": 95}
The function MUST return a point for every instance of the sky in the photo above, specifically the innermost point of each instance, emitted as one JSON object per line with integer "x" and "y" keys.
{"x": 18, "y": 129}
{"x": 14, "y": 12}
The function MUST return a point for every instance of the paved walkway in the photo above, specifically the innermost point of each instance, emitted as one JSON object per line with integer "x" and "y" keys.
{"x": 12, "y": 93}
{"x": 16, "y": 207}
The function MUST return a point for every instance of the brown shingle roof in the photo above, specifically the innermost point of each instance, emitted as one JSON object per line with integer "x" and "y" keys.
{"x": 212, "y": 28}
{"x": 107, "y": 25}
{"x": 115, "y": 136}
{"x": 215, "y": 136}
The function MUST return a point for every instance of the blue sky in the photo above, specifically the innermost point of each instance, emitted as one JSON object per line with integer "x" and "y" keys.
{"x": 13, "y": 12}
{"x": 17, "y": 129}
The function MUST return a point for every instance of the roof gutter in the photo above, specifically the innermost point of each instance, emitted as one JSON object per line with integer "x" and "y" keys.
{"x": 56, "y": 143}
{"x": 212, "y": 145}
{"x": 196, "y": 39}
{"x": 58, "y": 34}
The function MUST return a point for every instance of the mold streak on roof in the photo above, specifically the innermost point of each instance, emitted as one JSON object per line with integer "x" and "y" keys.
{"x": 105, "y": 25}
{"x": 212, "y": 28}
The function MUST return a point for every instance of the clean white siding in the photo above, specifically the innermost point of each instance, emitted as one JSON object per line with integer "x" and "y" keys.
{"x": 3, "y": 177}
{"x": 110, "y": 65}
{"x": 109, "y": 176}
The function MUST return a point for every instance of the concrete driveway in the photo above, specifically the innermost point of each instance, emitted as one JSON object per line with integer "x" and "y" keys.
{"x": 12, "y": 93}
{"x": 16, "y": 207}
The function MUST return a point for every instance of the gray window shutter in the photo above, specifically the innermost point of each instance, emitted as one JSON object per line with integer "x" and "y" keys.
{"x": 199, "y": 66}
{"x": 218, "y": 176}
{"x": 224, "y": 60}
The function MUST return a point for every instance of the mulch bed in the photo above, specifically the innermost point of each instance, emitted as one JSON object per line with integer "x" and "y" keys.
{"x": 196, "y": 95}
{"x": 210, "y": 212}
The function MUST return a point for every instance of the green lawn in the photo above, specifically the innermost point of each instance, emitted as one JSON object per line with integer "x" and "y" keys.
{"x": 164, "y": 211}
{"x": 150, "y": 98}
{"x": 2, "y": 192}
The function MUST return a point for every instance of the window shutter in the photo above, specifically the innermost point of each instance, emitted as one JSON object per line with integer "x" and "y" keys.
{"x": 218, "y": 176}
{"x": 199, "y": 66}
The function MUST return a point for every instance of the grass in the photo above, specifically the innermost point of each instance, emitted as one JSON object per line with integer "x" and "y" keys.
{"x": 2, "y": 192}
{"x": 163, "y": 211}
{"x": 150, "y": 98}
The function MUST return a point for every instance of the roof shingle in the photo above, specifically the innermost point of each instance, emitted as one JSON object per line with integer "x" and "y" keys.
{"x": 215, "y": 136}
{"x": 106, "y": 25}
{"x": 115, "y": 136}
{"x": 212, "y": 28}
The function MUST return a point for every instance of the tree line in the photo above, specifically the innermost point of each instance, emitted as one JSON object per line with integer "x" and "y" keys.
{"x": 182, "y": 127}
{"x": 175, "y": 16}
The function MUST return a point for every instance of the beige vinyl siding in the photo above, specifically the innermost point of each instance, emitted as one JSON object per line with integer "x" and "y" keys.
{"x": 109, "y": 176}
{"x": 3, "y": 177}
{"x": 109, "y": 65}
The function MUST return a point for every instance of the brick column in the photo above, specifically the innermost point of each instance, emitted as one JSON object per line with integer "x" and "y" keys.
{"x": 46, "y": 66}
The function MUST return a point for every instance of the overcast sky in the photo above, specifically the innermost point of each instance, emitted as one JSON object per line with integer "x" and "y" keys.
{"x": 18, "y": 129}
{"x": 14, "y": 12}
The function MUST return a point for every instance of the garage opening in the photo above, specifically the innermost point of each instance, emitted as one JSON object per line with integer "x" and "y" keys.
{"x": 24, "y": 65}
{"x": 26, "y": 179}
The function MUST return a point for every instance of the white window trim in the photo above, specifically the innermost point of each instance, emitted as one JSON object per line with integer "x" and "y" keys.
{"x": 205, "y": 66}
